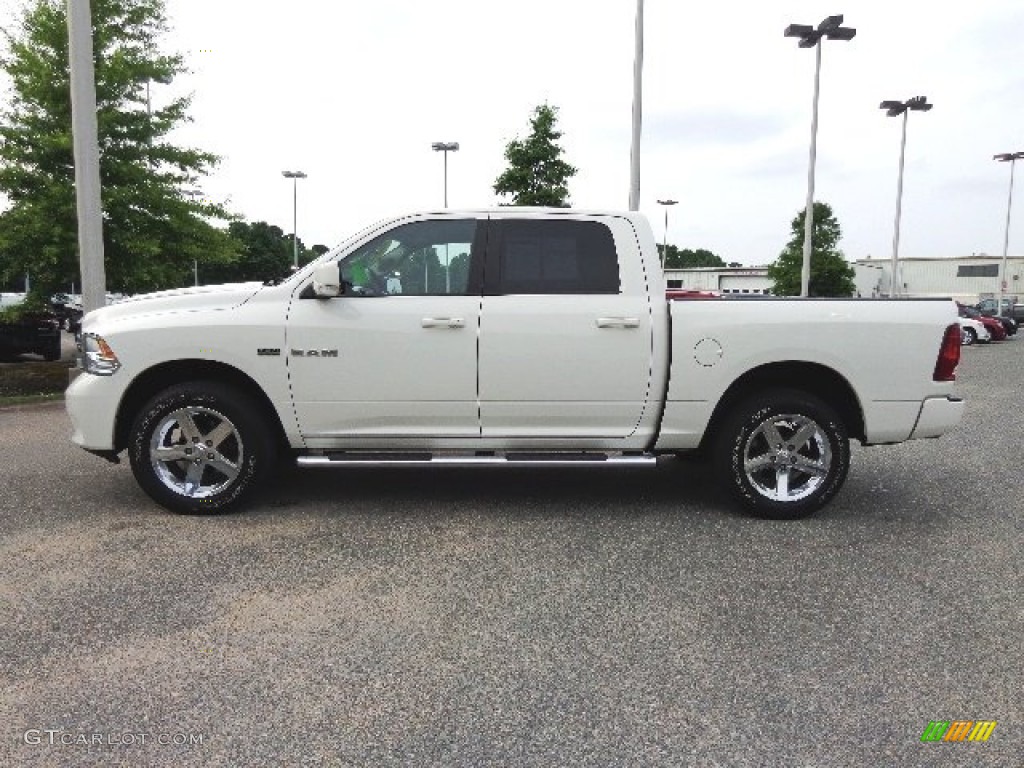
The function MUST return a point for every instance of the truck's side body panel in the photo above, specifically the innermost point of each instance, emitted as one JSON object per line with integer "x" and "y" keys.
{"x": 884, "y": 351}
{"x": 578, "y": 367}
{"x": 228, "y": 325}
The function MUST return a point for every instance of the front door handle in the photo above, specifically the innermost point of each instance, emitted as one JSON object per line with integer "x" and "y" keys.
{"x": 443, "y": 322}
{"x": 618, "y": 322}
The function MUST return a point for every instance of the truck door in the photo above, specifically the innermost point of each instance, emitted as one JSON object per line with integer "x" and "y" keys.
{"x": 395, "y": 355}
{"x": 565, "y": 339}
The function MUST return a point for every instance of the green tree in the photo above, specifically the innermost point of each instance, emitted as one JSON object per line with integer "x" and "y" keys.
{"x": 831, "y": 273}
{"x": 264, "y": 252}
{"x": 687, "y": 258}
{"x": 153, "y": 230}
{"x": 536, "y": 173}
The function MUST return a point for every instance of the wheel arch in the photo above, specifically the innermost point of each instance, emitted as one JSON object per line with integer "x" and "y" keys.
{"x": 167, "y": 374}
{"x": 819, "y": 380}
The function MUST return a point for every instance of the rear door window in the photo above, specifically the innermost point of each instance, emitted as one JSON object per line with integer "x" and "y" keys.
{"x": 551, "y": 257}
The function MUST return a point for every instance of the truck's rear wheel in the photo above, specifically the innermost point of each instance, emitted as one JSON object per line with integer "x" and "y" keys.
{"x": 200, "y": 448}
{"x": 783, "y": 454}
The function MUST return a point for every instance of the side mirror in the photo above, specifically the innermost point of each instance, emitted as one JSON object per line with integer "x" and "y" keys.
{"x": 327, "y": 281}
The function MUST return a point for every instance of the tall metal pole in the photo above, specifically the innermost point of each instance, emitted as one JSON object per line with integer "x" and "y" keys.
{"x": 664, "y": 248}
{"x": 295, "y": 221}
{"x": 87, "y": 156}
{"x": 805, "y": 270}
{"x": 295, "y": 176}
{"x": 445, "y": 147}
{"x": 445, "y": 153}
{"x": 896, "y": 283}
{"x": 832, "y": 29}
{"x": 638, "y": 70}
{"x": 1006, "y": 242}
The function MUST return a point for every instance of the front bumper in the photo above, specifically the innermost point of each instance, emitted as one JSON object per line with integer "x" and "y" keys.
{"x": 92, "y": 402}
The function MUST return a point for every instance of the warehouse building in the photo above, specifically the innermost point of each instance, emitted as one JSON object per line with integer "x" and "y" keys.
{"x": 967, "y": 279}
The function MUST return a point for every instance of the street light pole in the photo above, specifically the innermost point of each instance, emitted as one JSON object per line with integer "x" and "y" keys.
{"x": 295, "y": 176}
{"x": 810, "y": 37}
{"x": 445, "y": 147}
{"x": 1011, "y": 158}
{"x": 895, "y": 109}
{"x": 664, "y": 248}
{"x": 85, "y": 140}
{"x": 638, "y": 78}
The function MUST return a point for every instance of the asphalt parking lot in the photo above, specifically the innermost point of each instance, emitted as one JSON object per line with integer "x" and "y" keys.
{"x": 487, "y": 617}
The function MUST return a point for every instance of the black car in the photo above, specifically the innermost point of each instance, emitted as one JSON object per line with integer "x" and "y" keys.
{"x": 33, "y": 332}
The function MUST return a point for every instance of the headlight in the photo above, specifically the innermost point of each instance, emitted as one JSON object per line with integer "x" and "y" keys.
{"x": 97, "y": 356}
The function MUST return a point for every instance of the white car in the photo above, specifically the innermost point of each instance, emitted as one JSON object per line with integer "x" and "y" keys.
{"x": 972, "y": 331}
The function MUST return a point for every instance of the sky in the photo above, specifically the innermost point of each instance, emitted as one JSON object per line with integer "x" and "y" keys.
{"x": 354, "y": 94}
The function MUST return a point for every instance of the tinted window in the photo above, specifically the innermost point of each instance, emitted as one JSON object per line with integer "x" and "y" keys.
{"x": 556, "y": 257}
{"x": 422, "y": 259}
{"x": 977, "y": 270}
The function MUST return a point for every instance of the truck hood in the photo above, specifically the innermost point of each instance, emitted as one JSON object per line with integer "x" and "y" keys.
{"x": 202, "y": 298}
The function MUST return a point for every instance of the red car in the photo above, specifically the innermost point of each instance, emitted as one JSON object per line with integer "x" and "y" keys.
{"x": 689, "y": 293}
{"x": 995, "y": 328}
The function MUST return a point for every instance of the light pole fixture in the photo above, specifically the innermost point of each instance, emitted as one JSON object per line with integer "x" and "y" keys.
{"x": 664, "y": 248}
{"x": 895, "y": 109}
{"x": 1011, "y": 158}
{"x": 295, "y": 176}
{"x": 445, "y": 147}
{"x": 810, "y": 37}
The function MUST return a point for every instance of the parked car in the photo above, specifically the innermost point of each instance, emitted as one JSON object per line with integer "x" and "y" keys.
{"x": 972, "y": 331}
{"x": 689, "y": 293}
{"x": 993, "y": 324}
{"x": 28, "y": 332}
{"x": 1009, "y": 324}
{"x": 1010, "y": 308}
{"x": 68, "y": 309}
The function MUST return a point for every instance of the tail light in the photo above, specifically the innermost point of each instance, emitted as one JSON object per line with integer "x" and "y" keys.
{"x": 949, "y": 355}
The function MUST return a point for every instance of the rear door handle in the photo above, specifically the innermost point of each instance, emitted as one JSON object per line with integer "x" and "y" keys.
{"x": 618, "y": 322}
{"x": 443, "y": 322}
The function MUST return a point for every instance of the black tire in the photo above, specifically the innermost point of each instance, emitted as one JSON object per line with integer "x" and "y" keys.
{"x": 237, "y": 448}
{"x": 784, "y": 480}
{"x": 968, "y": 336}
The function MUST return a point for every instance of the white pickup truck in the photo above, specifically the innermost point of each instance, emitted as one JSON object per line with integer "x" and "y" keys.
{"x": 512, "y": 337}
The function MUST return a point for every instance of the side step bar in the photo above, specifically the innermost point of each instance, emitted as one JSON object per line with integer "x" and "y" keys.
{"x": 377, "y": 459}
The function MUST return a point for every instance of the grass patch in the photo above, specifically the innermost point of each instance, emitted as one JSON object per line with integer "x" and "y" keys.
{"x": 31, "y": 379}
{"x": 30, "y": 399}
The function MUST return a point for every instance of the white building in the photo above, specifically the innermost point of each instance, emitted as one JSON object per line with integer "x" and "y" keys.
{"x": 967, "y": 278}
{"x": 721, "y": 279}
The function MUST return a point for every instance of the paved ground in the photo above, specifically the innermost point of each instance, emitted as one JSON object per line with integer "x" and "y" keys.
{"x": 472, "y": 618}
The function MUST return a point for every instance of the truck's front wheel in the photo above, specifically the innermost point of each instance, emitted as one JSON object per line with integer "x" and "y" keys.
{"x": 200, "y": 448}
{"x": 783, "y": 454}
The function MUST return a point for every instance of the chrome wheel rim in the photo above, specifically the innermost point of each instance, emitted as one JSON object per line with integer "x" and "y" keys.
{"x": 196, "y": 452}
{"x": 787, "y": 457}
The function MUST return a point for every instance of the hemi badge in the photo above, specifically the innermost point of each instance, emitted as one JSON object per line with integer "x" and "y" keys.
{"x": 268, "y": 352}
